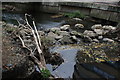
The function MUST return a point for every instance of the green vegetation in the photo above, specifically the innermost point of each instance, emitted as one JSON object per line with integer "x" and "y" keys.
{"x": 45, "y": 73}
{"x": 77, "y": 14}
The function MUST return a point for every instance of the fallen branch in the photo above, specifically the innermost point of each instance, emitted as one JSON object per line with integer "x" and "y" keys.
{"x": 38, "y": 45}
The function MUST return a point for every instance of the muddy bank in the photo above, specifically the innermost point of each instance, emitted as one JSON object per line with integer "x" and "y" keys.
{"x": 14, "y": 58}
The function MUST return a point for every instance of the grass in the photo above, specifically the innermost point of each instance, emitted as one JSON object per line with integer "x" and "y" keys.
{"x": 45, "y": 73}
{"x": 77, "y": 14}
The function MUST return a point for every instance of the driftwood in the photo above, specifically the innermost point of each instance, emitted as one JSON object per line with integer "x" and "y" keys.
{"x": 40, "y": 62}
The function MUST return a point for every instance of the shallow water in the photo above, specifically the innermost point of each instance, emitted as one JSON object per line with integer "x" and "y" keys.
{"x": 43, "y": 20}
{"x": 66, "y": 69}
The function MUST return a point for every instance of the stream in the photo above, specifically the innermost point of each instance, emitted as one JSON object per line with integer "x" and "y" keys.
{"x": 68, "y": 52}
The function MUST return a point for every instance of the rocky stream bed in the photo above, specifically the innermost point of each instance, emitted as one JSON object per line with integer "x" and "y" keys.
{"x": 70, "y": 50}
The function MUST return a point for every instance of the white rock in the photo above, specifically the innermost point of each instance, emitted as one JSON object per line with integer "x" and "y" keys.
{"x": 58, "y": 37}
{"x": 99, "y": 31}
{"x": 108, "y": 40}
{"x": 95, "y": 40}
{"x": 77, "y": 19}
{"x": 100, "y": 37}
{"x": 74, "y": 38}
{"x": 65, "y": 27}
{"x": 96, "y": 26}
{"x": 106, "y": 27}
{"x": 79, "y": 25}
{"x": 89, "y": 33}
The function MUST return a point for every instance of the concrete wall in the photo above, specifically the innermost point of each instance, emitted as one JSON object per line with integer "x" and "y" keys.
{"x": 98, "y": 10}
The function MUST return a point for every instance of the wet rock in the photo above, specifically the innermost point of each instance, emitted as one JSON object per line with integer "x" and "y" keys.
{"x": 89, "y": 33}
{"x": 108, "y": 40}
{"x": 65, "y": 27}
{"x": 58, "y": 37}
{"x": 2, "y": 23}
{"x": 79, "y": 26}
{"x": 51, "y": 34}
{"x": 77, "y": 34}
{"x": 95, "y": 40}
{"x": 87, "y": 39}
{"x": 96, "y": 26}
{"x": 56, "y": 59}
{"x": 99, "y": 31}
{"x": 109, "y": 28}
{"x": 63, "y": 33}
{"x": 55, "y": 29}
{"x": 74, "y": 38}
{"x": 77, "y": 19}
{"x": 100, "y": 37}
{"x": 48, "y": 41}
{"x": 66, "y": 40}
{"x": 41, "y": 33}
